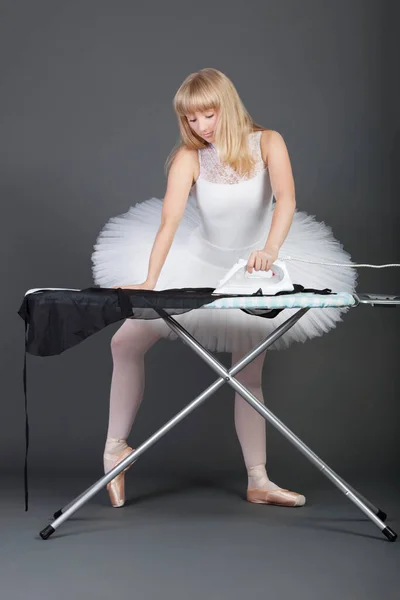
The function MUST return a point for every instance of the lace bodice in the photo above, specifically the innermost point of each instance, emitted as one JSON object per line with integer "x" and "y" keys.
{"x": 213, "y": 170}
{"x": 234, "y": 210}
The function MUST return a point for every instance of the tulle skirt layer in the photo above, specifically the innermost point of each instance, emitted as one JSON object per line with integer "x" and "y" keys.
{"x": 121, "y": 257}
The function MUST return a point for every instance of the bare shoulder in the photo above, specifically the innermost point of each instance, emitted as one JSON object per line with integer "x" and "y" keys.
{"x": 183, "y": 168}
{"x": 271, "y": 141}
{"x": 185, "y": 162}
{"x": 185, "y": 157}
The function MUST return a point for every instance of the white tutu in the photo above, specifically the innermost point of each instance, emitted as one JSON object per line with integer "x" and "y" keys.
{"x": 121, "y": 257}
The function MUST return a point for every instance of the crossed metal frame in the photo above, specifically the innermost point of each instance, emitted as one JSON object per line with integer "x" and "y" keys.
{"x": 227, "y": 376}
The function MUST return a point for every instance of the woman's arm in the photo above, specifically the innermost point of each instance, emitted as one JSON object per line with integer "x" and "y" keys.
{"x": 180, "y": 181}
{"x": 281, "y": 177}
{"x": 276, "y": 156}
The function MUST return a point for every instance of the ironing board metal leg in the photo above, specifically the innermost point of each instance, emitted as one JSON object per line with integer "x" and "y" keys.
{"x": 226, "y": 376}
{"x": 367, "y": 507}
{"x": 378, "y": 512}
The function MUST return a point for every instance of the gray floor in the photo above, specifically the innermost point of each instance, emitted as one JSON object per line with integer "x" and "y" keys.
{"x": 198, "y": 540}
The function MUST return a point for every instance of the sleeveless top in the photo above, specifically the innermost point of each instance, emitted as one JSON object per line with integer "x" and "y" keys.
{"x": 233, "y": 209}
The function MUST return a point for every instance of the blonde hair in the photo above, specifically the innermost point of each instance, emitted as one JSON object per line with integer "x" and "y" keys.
{"x": 210, "y": 89}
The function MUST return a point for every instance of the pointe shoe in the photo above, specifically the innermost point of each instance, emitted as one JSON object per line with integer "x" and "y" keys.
{"x": 116, "y": 487}
{"x": 280, "y": 497}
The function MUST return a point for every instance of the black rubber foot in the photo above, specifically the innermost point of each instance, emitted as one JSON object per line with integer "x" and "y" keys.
{"x": 390, "y": 534}
{"x": 59, "y": 513}
{"x": 381, "y": 515}
{"x": 47, "y": 531}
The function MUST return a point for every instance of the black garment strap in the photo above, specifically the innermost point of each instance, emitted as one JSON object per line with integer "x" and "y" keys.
{"x": 26, "y": 423}
{"x": 125, "y": 306}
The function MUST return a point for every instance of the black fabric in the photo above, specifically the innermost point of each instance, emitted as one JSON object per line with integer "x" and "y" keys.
{"x": 56, "y": 320}
{"x": 61, "y": 319}
{"x": 273, "y": 312}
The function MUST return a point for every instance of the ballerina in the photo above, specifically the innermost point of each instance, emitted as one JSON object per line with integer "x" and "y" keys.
{"x": 230, "y": 195}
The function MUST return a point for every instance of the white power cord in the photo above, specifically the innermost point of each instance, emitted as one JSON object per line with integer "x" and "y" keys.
{"x": 314, "y": 262}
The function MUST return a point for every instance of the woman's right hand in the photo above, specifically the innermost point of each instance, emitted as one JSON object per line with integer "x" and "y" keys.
{"x": 146, "y": 285}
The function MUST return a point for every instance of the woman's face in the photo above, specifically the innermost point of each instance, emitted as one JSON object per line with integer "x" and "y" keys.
{"x": 204, "y": 123}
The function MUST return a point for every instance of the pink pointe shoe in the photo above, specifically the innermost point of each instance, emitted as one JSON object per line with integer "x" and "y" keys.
{"x": 116, "y": 487}
{"x": 279, "y": 497}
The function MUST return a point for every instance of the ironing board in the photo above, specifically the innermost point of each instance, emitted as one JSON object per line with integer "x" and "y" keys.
{"x": 59, "y": 318}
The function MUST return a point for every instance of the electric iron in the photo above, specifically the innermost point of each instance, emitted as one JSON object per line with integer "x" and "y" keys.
{"x": 239, "y": 281}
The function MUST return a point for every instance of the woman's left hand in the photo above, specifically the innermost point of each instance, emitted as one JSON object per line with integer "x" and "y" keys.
{"x": 262, "y": 260}
{"x": 137, "y": 286}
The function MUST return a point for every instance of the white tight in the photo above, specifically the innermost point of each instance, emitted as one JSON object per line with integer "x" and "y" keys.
{"x": 129, "y": 346}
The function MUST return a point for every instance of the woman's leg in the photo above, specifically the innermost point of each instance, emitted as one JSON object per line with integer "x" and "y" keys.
{"x": 251, "y": 426}
{"x": 128, "y": 346}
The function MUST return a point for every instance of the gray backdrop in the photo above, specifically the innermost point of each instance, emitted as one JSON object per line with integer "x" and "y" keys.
{"x": 86, "y": 124}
